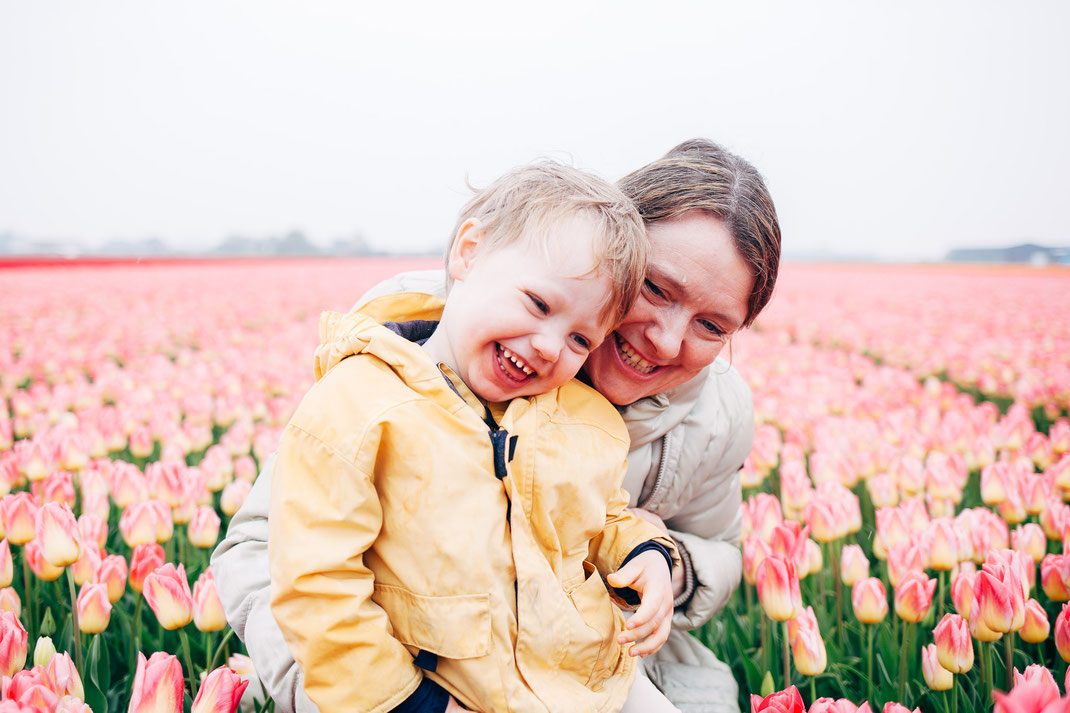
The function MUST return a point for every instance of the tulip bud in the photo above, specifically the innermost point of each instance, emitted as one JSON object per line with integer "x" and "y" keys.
{"x": 157, "y": 684}
{"x": 207, "y": 608}
{"x": 19, "y": 515}
{"x": 954, "y": 647}
{"x": 962, "y": 592}
{"x": 138, "y": 523}
{"x": 942, "y": 544}
{"x": 778, "y": 588}
{"x": 43, "y": 651}
{"x": 94, "y": 608}
{"x": 221, "y": 692}
{"x": 204, "y": 527}
{"x": 242, "y": 664}
{"x": 9, "y": 601}
{"x": 870, "y": 601}
{"x": 903, "y": 558}
{"x": 112, "y": 573}
{"x": 1051, "y": 578}
{"x": 144, "y": 560}
{"x": 936, "y": 676}
{"x": 999, "y": 602}
{"x": 6, "y": 566}
{"x": 914, "y": 596}
{"x": 13, "y": 643}
{"x": 853, "y": 564}
{"x": 167, "y": 592}
{"x": 1030, "y": 539}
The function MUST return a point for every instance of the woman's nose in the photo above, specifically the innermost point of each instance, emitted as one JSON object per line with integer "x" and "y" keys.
{"x": 666, "y": 336}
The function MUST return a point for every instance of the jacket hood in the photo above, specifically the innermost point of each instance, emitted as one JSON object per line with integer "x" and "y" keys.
{"x": 343, "y": 335}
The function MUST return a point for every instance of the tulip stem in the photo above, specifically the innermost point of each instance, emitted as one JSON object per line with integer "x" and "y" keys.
{"x": 1008, "y": 657}
{"x": 75, "y": 629}
{"x": 27, "y": 597}
{"x": 907, "y": 628}
{"x": 184, "y": 638}
{"x": 219, "y": 649}
{"x": 986, "y": 671}
{"x": 869, "y": 658}
{"x": 813, "y": 690}
{"x": 787, "y": 657}
{"x": 940, "y": 577}
{"x": 765, "y": 644}
{"x": 135, "y": 632}
{"x": 834, "y": 550}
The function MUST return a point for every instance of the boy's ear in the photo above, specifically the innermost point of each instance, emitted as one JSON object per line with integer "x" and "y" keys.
{"x": 465, "y": 246}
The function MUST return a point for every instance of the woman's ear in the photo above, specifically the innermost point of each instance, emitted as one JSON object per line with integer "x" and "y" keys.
{"x": 464, "y": 248}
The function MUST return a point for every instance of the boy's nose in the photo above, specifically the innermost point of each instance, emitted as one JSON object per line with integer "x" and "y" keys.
{"x": 548, "y": 346}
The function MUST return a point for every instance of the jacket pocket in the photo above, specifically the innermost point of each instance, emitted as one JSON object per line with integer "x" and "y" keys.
{"x": 454, "y": 627}
{"x": 594, "y": 647}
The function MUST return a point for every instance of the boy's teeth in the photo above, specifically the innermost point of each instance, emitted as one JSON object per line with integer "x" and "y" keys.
{"x": 632, "y": 359}
{"x": 519, "y": 364}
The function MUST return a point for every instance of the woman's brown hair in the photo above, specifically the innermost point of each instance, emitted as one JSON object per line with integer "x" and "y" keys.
{"x": 701, "y": 175}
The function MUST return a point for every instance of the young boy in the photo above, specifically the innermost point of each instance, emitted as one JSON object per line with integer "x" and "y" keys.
{"x": 436, "y": 537}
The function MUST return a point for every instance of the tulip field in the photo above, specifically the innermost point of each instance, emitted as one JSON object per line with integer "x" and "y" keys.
{"x": 905, "y": 504}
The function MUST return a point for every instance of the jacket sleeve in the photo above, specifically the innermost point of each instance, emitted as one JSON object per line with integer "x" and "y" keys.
{"x": 432, "y": 282}
{"x": 623, "y": 532}
{"x": 707, "y": 526}
{"x": 240, "y": 566}
{"x": 325, "y": 514}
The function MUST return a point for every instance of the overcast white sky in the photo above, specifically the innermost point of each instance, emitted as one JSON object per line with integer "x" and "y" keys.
{"x": 899, "y": 129}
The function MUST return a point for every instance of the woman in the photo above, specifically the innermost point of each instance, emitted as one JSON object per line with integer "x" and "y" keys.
{"x": 714, "y": 256}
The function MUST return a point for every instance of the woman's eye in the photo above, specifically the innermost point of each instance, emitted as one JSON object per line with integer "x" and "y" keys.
{"x": 582, "y": 341}
{"x": 711, "y": 327}
{"x": 539, "y": 304}
{"x": 653, "y": 289}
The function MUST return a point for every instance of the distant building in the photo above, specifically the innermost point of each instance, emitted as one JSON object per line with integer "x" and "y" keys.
{"x": 1028, "y": 253}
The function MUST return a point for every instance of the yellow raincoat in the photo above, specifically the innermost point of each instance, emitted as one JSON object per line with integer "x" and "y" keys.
{"x": 390, "y": 533}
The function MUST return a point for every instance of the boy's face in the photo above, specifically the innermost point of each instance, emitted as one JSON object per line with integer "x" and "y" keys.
{"x": 522, "y": 318}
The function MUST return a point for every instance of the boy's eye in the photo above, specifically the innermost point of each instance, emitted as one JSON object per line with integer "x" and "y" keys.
{"x": 539, "y": 304}
{"x": 582, "y": 341}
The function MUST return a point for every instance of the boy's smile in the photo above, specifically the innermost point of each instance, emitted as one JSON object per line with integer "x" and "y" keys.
{"x": 521, "y": 318}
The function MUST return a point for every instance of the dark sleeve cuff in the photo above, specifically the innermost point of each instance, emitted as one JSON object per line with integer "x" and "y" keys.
{"x": 429, "y": 697}
{"x": 628, "y": 595}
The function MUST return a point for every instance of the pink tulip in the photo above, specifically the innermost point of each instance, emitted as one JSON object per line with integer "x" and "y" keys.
{"x": 204, "y": 527}
{"x": 9, "y": 601}
{"x": 221, "y": 692}
{"x": 234, "y": 494}
{"x": 128, "y": 485}
{"x": 1062, "y": 633}
{"x": 1052, "y": 578}
{"x": 778, "y": 588}
{"x": 1036, "y": 627}
{"x": 94, "y": 608}
{"x": 1036, "y": 672}
{"x": 893, "y": 707}
{"x": 941, "y": 544}
{"x": 57, "y": 534}
{"x": 71, "y": 704}
{"x": 853, "y": 564}
{"x": 207, "y": 608}
{"x": 19, "y": 515}
{"x": 870, "y": 601}
{"x": 93, "y": 528}
{"x": 139, "y": 523}
{"x": 962, "y": 592}
{"x": 807, "y": 646}
{"x": 754, "y": 551}
{"x": 6, "y": 566}
{"x": 112, "y": 573}
{"x": 914, "y": 596}
{"x": 936, "y": 676}
{"x": 13, "y": 643}
{"x": 167, "y": 592}
{"x": 157, "y": 684}
{"x": 903, "y": 558}
{"x": 143, "y": 562}
{"x": 87, "y": 565}
{"x": 1031, "y": 695}
{"x": 61, "y": 677}
{"x": 42, "y": 568}
{"x": 761, "y": 513}
{"x": 954, "y": 647}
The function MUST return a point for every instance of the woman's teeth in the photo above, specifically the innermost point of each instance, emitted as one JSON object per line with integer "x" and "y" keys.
{"x": 516, "y": 360}
{"x": 632, "y": 359}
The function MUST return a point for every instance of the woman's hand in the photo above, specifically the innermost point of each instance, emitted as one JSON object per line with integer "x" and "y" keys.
{"x": 647, "y": 574}
{"x": 678, "y": 582}
{"x": 454, "y": 707}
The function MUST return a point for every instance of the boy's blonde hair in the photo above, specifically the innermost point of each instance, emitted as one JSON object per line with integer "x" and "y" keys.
{"x": 529, "y": 200}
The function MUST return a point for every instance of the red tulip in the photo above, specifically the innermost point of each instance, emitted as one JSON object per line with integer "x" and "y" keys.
{"x": 786, "y": 701}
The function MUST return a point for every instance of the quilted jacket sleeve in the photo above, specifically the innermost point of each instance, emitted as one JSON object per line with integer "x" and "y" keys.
{"x": 240, "y": 565}
{"x": 707, "y": 525}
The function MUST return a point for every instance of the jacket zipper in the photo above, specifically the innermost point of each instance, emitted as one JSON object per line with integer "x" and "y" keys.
{"x": 661, "y": 470}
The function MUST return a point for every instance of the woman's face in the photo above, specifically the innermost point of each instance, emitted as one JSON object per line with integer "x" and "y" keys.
{"x": 695, "y": 292}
